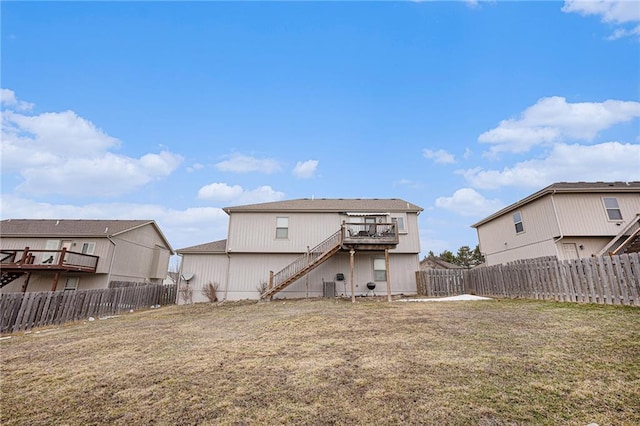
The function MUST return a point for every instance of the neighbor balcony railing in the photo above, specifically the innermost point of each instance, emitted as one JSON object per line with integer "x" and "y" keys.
{"x": 31, "y": 260}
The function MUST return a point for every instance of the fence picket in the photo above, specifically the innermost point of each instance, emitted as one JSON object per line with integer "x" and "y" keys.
{"x": 603, "y": 280}
{"x": 23, "y": 311}
{"x": 625, "y": 260}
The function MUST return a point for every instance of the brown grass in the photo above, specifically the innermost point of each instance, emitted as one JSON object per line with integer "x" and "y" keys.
{"x": 331, "y": 362}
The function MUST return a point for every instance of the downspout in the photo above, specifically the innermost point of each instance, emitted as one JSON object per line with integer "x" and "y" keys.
{"x": 179, "y": 280}
{"x": 226, "y": 284}
{"x": 555, "y": 213}
{"x": 113, "y": 258}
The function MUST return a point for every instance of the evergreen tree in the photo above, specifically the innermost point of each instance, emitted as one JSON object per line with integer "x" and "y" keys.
{"x": 477, "y": 256}
{"x": 448, "y": 256}
{"x": 464, "y": 257}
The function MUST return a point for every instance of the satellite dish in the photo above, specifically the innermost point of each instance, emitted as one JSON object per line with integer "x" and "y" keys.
{"x": 187, "y": 276}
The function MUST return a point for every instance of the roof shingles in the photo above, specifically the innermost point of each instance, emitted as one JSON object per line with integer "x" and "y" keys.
{"x": 67, "y": 227}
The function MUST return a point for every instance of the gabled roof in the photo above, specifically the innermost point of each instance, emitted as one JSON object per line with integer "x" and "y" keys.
{"x": 567, "y": 188}
{"x": 337, "y": 205}
{"x": 93, "y": 228}
{"x": 438, "y": 261}
{"x": 212, "y": 247}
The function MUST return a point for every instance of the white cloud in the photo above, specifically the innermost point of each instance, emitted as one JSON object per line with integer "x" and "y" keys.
{"x": 408, "y": 183}
{"x": 624, "y": 32}
{"x": 236, "y": 195}
{"x": 239, "y": 163}
{"x": 262, "y": 194}
{"x": 195, "y": 167}
{"x": 183, "y": 228}
{"x": 108, "y": 175}
{"x": 468, "y": 202}
{"x": 9, "y": 100}
{"x": 62, "y": 153}
{"x": 609, "y": 161}
{"x": 305, "y": 169}
{"x": 440, "y": 156}
{"x": 616, "y": 12}
{"x": 553, "y": 120}
{"x": 220, "y": 192}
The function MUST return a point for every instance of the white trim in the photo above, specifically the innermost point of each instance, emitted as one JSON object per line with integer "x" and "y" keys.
{"x": 367, "y": 214}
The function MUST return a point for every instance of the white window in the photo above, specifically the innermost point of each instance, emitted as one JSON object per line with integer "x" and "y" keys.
{"x": 282, "y": 227}
{"x": 379, "y": 270}
{"x": 612, "y": 208}
{"x": 517, "y": 221}
{"x": 400, "y": 222}
{"x": 71, "y": 283}
{"x": 88, "y": 248}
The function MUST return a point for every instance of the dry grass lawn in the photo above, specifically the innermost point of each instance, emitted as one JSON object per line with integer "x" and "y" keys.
{"x": 330, "y": 362}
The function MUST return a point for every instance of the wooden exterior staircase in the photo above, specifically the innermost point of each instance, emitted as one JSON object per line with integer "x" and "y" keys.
{"x": 627, "y": 240}
{"x": 9, "y": 277}
{"x": 630, "y": 245}
{"x": 303, "y": 265}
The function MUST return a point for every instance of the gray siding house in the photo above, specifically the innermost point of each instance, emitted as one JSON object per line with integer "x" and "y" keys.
{"x": 567, "y": 220}
{"x": 309, "y": 247}
{"x": 51, "y": 255}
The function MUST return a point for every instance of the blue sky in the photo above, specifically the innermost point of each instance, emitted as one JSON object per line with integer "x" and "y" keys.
{"x": 171, "y": 111}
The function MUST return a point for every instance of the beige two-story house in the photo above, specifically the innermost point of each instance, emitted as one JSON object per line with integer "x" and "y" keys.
{"x": 310, "y": 247}
{"x": 567, "y": 220}
{"x": 55, "y": 255}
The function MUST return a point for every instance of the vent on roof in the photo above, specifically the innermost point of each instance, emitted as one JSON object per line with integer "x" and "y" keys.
{"x": 106, "y": 229}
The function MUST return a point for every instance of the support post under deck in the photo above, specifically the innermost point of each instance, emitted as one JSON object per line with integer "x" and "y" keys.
{"x": 353, "y": 294}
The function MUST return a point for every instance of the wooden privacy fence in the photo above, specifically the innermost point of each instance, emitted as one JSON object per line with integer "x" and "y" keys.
{"x": 440, "y": 282}
{"x": 23, "y": 311}
{"x": 604, "y": 280}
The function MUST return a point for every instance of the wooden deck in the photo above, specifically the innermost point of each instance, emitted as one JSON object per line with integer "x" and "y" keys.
{"x": 350, "y": 237}
{"x": 369, "y": 236}
{"x": 28, "y": 260}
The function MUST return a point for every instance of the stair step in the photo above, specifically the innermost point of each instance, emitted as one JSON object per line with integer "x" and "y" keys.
{"x": 9, "y": 277}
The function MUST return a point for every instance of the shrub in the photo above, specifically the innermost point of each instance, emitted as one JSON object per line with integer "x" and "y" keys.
{"x": 262, "y": 287}
{"x": 186, "y": 292}
{"x": 210, "y": 291}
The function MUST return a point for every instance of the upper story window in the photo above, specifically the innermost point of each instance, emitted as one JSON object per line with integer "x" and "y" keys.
{"x": 612, "y": 208}
{"x": 517, "y": 221}
{"x": 282, "y": 227}
{"x": 88, "y": 248}
{"x": 400, "y": 222}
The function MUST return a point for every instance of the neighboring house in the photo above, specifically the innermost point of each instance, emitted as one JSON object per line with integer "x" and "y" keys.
{"x": 567, "y": 220}
{"x": 309, "y": 247}
{"x": 433, "y": 262}
{"x": 50, "y": 255}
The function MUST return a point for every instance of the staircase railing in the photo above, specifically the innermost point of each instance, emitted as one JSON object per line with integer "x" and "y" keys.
{"x": 303, "y": 262}
{"x": 621, "y": 234}
{"x": 628, "y": 243}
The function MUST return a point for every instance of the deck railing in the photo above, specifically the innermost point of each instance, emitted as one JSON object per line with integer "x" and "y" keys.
{"x": 28, "y": 259}
{"x": 381, "y": 233}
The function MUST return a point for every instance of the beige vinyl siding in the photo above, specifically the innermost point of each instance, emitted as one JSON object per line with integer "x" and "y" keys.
{"x": 585, "y": 214}
{"x": 410, "y": 240}
{"x": 590, "y": 245}
{"x": 499, "y": 235}
{"x": 206, "y": 268}
{"x": 256, "y": 232}
{"x": 247, "y": 271}
{"x": 540, "y": 249}
{"x": 134, "y": 254}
